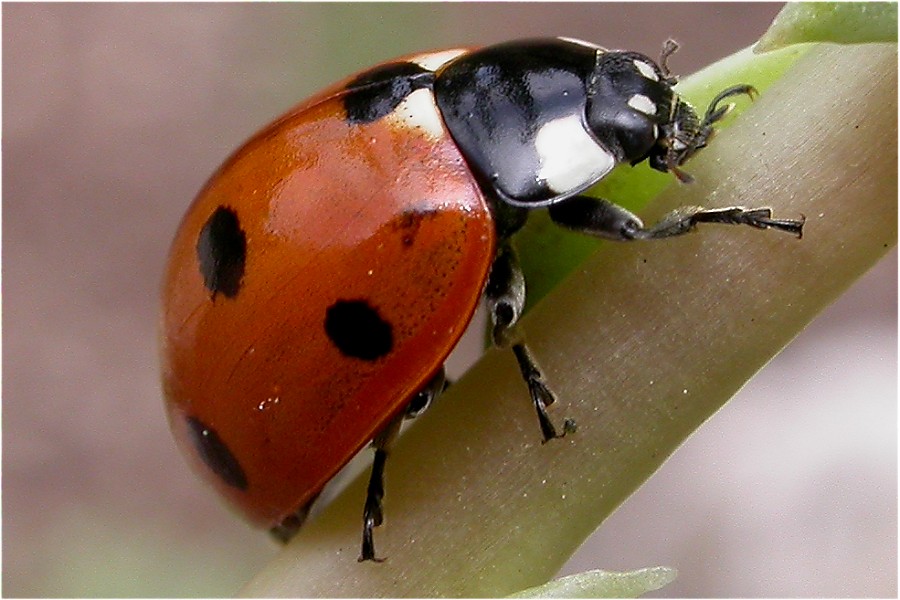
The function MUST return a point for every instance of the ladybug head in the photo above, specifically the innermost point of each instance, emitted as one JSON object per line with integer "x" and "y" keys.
{"x": 633, "y": 110}
{"x": 684, "y": 134}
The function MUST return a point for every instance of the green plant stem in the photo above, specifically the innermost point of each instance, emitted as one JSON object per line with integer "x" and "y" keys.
{"x": 836, "y": 22}
{"x": 643, "y": 343}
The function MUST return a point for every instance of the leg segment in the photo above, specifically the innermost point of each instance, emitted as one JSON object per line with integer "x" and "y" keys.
{"x": 602, "y": 218}
{"x": 373, "y": 513}
{"x": 505, "y": 294}
{"x": 290, "y": 525}
{"x": 427, "y": 395}
{"x": 541, "y": 395}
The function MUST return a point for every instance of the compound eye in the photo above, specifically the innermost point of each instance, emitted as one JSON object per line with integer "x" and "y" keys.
{"x": 658, "y": 162}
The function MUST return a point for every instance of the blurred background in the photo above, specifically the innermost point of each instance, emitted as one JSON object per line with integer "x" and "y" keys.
{"x": 113, "y": 117}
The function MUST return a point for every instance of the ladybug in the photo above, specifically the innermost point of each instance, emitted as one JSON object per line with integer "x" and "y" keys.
{"x": 323, "y": 274}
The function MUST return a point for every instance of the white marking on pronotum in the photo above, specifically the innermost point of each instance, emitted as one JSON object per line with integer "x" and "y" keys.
{"x": 643, "y": 104}
{"x": 646, "y": 70}
{"x": 435, "y": 60}
{"x": 418, "y": 111}
{"x": 570, "y": 157}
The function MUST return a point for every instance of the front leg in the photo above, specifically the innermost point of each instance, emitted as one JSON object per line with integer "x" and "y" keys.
{"x": 602, "y": 218}
{"x": 505, "y": 294}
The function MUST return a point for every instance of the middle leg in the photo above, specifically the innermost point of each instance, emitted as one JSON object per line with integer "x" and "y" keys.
{"x": 505, "y": 294}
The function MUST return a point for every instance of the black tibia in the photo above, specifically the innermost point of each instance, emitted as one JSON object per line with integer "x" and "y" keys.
{"x": 601, "y": 218}
{"x": 541, "y": 395}
{"x": 373, "y": 513}
{"x": 505, "y": 295}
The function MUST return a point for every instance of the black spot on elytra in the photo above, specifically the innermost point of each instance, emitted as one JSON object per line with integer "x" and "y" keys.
{"x": 358, "y": 330}
{"x": 222, "y": 251}
{"x": 377, "y": 92}
{"x": 408, "y": 223}
{"x": 215, "y": 454}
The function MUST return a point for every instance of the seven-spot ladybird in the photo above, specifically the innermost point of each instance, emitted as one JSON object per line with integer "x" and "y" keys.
{"x": 322, "y": 276}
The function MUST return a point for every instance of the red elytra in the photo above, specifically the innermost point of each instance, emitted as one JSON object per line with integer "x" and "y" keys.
{"x": 384, "y": 220}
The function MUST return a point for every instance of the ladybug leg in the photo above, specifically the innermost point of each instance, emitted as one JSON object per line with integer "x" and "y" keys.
{"x": 427, "y": 395}
{"x": 290, "y": 525}
{"x": 541, "y": 395}
{"x": 505, "y": 295}
{"x": 373, "y": 513}
{"x": 684, "y": 219}
{"x": 602, "y": 218}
